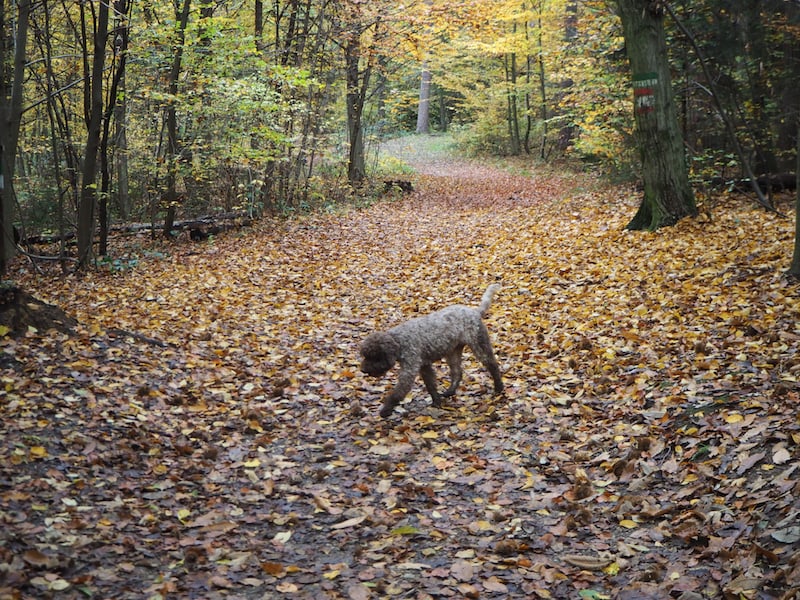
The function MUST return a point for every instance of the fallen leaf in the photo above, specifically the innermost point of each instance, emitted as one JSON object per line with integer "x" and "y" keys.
{"x": 349, "y": 522}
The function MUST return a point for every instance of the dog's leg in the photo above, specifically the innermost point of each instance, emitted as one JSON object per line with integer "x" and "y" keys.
{"x": 404, "y": 382}
{"x": 429, "y": 377}
{"x": 483, "y": 352}
{"x": 454, "y": 362}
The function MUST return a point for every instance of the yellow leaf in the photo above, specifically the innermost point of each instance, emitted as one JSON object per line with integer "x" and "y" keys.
{"x": 430, "y": 435}
{"x": 628, "y": 524}
{"x": 183, "y": 514}
{"x": 4, "y": 330}
{"x": 734, "y": 418}
{"x": 38, "y": 452}
{"x": 252, "y": 464}
{"x": 332, "y": 574}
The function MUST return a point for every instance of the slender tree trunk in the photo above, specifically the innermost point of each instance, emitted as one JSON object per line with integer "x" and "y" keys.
{"x": 259, "y": 25}
{"x": 88, "y": 198}
{"x": 542, "y": 87}
{"x": 380, "y": 96}
{"x": 794, "y": 269}
{"x": 173, "y": 145}
{"x": 444, "y": 118}
{"x": 511, "y": 100}
{"x": 122, "y": 194}
{"x": 424, "y": 108}
{"x": 10, "y": 121}
{"x": 668, "y": 196}
{"x": 356, "y": 93}
{"x": 120, "y": 35}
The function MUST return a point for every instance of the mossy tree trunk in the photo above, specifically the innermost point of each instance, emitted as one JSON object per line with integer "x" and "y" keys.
{"x": 668, "y": 196}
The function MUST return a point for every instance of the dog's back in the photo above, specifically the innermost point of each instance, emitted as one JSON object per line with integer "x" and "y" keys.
{"x": 436, "y": 334}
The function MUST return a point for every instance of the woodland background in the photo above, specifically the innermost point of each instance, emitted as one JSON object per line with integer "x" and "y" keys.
{"x": 250, "y": 107}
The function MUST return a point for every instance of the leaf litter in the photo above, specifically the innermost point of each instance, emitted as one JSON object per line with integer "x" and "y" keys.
{"x": 646, "y": 446}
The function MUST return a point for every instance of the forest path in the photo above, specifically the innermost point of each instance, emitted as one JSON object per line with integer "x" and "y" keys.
{"x": 435, "y": 155}
{"x": 646, "y": 443}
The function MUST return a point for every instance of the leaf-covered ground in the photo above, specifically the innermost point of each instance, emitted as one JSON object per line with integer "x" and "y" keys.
{"x": 205, "y": 433}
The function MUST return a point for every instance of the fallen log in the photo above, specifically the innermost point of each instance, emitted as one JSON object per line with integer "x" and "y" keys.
{"x": 777, "y": 183}
{"x": 208, "y": 225}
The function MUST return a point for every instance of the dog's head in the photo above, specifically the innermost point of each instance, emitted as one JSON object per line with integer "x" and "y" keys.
{"x": 379, "y": 352}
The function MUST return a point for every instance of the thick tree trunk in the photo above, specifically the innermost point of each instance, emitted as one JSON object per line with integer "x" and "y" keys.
{"x": 668, "y": 196}
{"x": 424, "y": 108}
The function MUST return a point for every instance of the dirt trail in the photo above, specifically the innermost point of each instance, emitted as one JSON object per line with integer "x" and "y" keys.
{"x": 435, "y": 156}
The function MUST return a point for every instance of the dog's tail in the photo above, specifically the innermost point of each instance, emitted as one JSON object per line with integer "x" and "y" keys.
{"x": 486, "y": 301}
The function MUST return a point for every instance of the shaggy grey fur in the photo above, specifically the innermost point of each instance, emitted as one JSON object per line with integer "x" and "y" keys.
{"x": 419, "y": 342}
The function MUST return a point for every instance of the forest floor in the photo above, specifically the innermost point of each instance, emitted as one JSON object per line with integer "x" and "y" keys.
{"x": 204, "y": 430}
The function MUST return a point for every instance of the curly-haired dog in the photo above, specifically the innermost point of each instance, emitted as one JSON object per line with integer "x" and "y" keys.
{"x": 419, "y": 342}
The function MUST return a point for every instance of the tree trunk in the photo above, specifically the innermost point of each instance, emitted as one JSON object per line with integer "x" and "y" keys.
{"x": 120, "y": 35}
{"x": 424, "y": 108}
{"x": 173, "y": 149}
{"x": 444, "y": 117}
{"x": 88, "y": 198}
{"x": 356, "y": 94}
{"x": 512, "y": 116}
{"x": 10, "y": 120}
{"x": 794, "y": 268}
{"x": 259, "y": 25}
{"x": 668, "y": 196}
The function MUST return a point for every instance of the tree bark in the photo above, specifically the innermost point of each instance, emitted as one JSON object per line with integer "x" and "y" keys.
{"x": 356, "y": 94}
{"x": 10, "y": 121}
{"x": 173, "y": 146}
{"x": 794, "y": 268}
{"x": 120, "y": 34}
{"x": 668, "y": 196}
{"x": 512, "y": 116}
{"x": 424, "y": 108}
{"x": 88, "y": 199}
